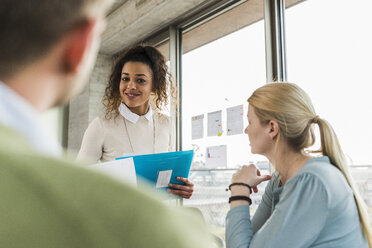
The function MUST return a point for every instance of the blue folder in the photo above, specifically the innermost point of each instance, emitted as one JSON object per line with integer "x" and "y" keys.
{"x": 148, "y": 166}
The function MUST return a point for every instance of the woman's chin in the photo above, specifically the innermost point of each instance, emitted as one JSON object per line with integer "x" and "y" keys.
{"x": 130, "y": 104}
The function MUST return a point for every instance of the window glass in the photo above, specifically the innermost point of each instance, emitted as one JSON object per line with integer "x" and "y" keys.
{"x": 329, "y": 55}
{"x": 51, "y": 119}
{"x": 215, "y": 77}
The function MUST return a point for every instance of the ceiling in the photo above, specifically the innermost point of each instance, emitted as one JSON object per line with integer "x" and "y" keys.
{"x": 132, "y": 21}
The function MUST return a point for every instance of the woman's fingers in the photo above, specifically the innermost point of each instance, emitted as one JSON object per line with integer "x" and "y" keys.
{"x": 261, "y": 179}
{"x": 184, "y": 191}
{"x": 250, "y": 175}
{"x": 265, "y": 178}
{"x": 180, "y": 193}
{"x": 247, "y": 174}
{"x": 181, "y": 187}
{"x": 185, "y": 180}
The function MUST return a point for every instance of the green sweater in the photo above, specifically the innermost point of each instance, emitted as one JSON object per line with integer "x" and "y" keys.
{"x": 47, "y": 202}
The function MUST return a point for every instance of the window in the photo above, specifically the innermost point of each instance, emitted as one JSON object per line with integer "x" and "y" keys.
{"x": 328, "y": 53}
{"x": 218, "y": 75}
{"x": 52, "y": 120}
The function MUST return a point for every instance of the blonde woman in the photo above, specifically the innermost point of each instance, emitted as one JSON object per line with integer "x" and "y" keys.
{"x": 309, "y": 201}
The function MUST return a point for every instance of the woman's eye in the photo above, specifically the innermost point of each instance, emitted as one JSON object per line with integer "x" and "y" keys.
{"x": 125, "y": 79}
{"x": 140, "y": 80}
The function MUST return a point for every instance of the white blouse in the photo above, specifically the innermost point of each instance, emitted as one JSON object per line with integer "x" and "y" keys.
{"x": 106, "y": 138}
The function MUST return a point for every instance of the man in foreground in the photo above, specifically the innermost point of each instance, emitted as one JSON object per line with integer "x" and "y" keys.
{"x": 48, "y": 48}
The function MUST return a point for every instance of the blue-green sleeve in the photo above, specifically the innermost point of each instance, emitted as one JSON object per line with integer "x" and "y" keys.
{"x": 296, "y": 221}
{"x": 263, "y": 211}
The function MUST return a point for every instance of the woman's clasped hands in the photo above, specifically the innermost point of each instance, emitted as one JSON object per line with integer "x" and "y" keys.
{"x": 250, "y": 175}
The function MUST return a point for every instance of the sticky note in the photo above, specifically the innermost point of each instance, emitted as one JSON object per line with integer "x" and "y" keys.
{"x": 163, "y": 178}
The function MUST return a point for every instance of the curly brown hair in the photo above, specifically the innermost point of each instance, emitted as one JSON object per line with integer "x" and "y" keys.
{"x": 149, "y": 56}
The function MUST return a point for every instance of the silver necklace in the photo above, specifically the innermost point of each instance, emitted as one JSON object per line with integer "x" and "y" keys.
{"x": 130, "y": 142}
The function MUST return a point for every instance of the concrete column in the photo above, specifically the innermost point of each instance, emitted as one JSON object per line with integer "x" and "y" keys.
{"x": 88, "y": 105}
{"x": 97, "y": 85}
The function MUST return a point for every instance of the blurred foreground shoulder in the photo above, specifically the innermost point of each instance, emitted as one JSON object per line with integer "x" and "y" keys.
{"x": 55, "y": 203}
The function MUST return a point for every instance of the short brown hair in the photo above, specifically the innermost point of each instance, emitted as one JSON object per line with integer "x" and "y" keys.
{"x": 29, "y": 28}
{"x": 161, "y": 79}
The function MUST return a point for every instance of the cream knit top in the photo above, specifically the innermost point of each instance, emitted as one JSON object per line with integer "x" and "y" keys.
{"x": 106, "y": 138}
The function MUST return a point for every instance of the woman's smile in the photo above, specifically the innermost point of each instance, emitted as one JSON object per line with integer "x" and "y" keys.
{"x": 131, "y": 95}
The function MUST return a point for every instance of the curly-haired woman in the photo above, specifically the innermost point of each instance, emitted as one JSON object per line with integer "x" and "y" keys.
{"x": 131, "y": 125}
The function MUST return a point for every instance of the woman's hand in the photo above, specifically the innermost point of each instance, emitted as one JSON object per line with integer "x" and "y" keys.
{"x": 249, "y": 175}
{"x": 184, "y": 191}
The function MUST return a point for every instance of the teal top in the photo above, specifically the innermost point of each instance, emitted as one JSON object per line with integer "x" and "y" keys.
{"x": 48, "y": 202}
{"x": 315, "y": 208}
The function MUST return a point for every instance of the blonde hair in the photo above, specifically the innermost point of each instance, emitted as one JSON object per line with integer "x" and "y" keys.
{"x": 292, "y": 109}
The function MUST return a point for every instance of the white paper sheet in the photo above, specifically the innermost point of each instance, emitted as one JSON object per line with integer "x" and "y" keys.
{"x": 197, "y": 125}
{"x": 216, "y": 157}
{"x": 215, "y": 123}
{"x": 122, "y": 170}
{"x": 235, "y": 120}
{"x": 163, "y": 178}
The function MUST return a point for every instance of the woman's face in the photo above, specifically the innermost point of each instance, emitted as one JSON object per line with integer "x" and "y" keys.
{"x": 258, "y": 134}
{"x": 136, "y": 86}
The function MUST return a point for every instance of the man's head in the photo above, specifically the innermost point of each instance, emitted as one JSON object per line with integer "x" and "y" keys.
{"x": 62, "y": 35}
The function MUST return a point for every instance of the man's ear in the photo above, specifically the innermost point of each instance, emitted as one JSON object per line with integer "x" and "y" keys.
{"x": 273, "y": 129}
{"x": 77, "y": 44}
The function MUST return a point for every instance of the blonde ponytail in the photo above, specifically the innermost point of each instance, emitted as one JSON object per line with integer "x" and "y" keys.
{"x": 292, "y": 109}
{"x": 330, "y": 147}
